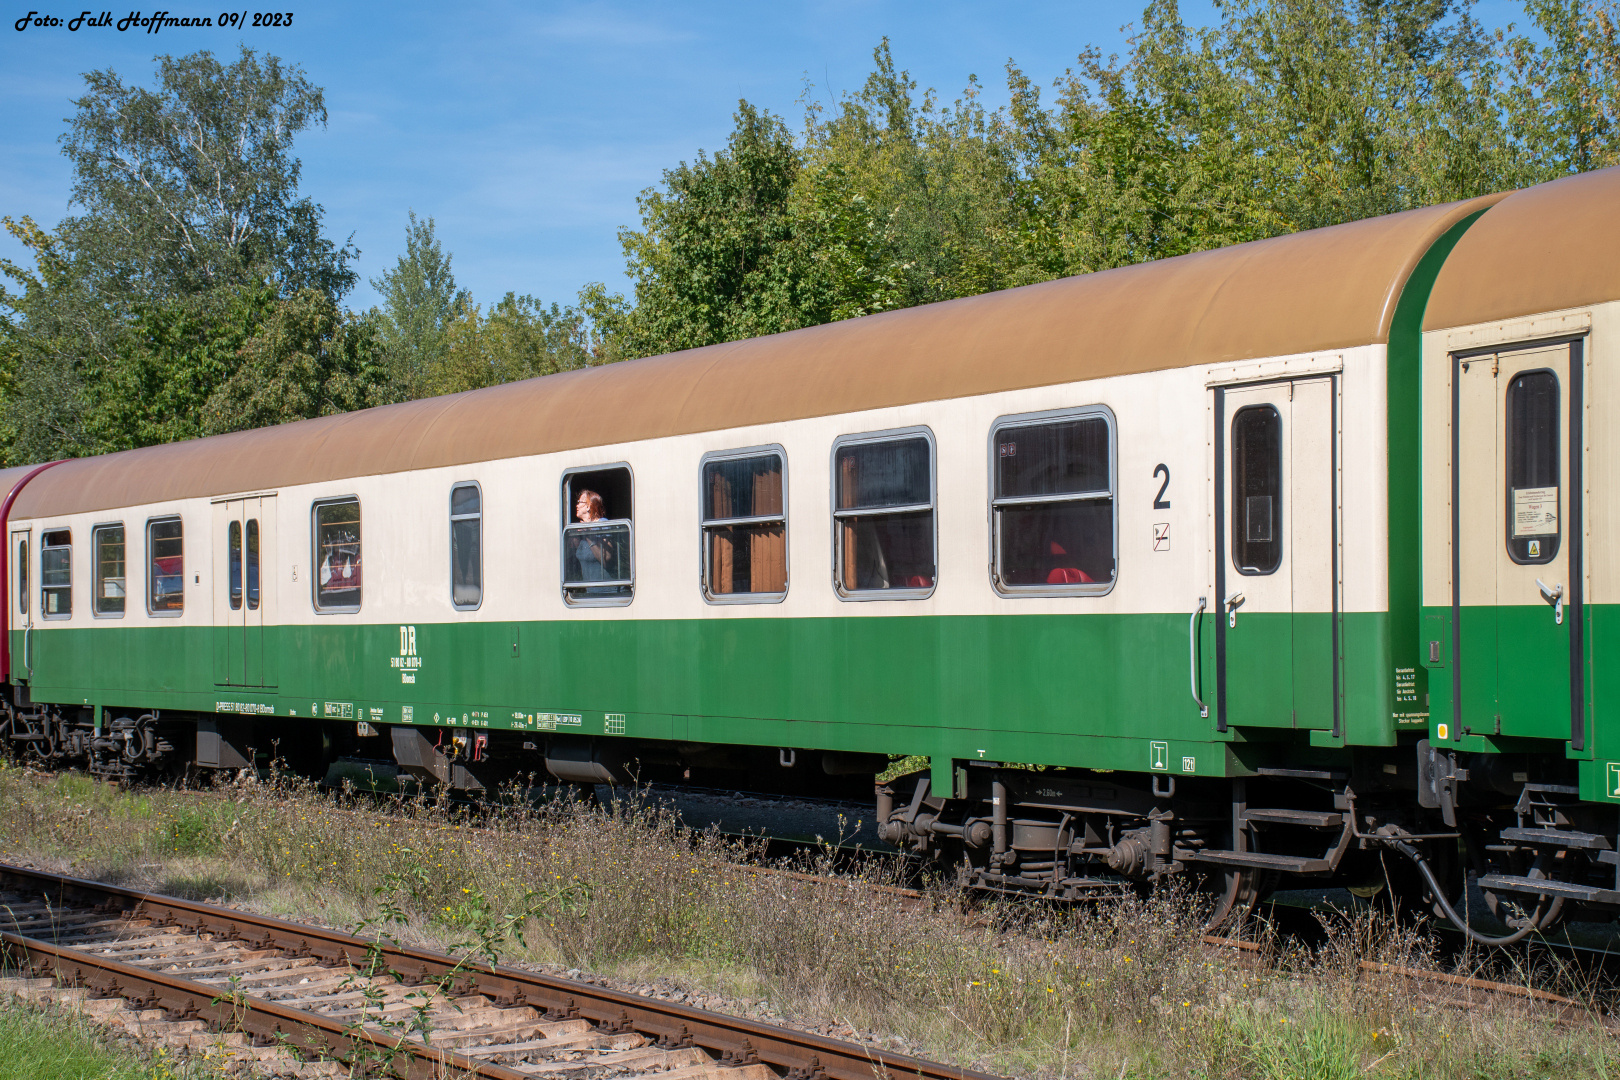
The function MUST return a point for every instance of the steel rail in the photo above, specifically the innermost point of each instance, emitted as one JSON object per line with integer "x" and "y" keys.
{"x": 736, "y": 1040}
{"x": 267, "y": 1022}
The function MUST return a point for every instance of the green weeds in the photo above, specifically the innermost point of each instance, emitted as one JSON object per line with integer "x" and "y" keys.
{"x": 1123, "y": 987}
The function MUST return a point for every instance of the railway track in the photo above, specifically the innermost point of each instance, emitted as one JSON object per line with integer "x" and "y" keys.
{"x": 304, "y": 1000}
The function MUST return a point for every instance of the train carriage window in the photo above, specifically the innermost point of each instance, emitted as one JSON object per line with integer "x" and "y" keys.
{"x": 884, "y": 543}
{"x": 466, "y": 546}
{"x": 744, "y": 526}
{"x": 252, "y": 553}
{"x": 1052, "y": 503}
{"x": 166, "y": 567}
{"x": 22, "y": 575}
{"x": 56, "y": 574}
{"x": 110, "y": 580}
{"x": 233, "y": 550}
{"x": 598, "y": 536}
{"x": 337, "y": 555}
{"x": 1532, "y": 467}
{"x": 1257, "y": 508}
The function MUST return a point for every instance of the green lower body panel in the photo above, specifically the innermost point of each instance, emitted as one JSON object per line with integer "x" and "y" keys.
{"x": 1515, "y": 670}
{"x": 1099, "y": 691}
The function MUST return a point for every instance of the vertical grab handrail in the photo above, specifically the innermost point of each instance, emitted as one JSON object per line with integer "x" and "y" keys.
{"x": 1192, "y": 654}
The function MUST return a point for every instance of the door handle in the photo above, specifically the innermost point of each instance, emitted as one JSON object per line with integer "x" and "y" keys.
{"x": 1192, "y": 655}
{"x": 1555, "y": 597}
{"x": 1233, "y": 602}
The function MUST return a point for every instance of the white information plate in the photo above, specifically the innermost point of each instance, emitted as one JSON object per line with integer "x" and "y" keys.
{"x": 1535, "y": 511}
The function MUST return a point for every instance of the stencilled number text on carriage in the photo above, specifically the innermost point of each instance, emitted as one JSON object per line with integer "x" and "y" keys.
{"x": 407, "y": 663}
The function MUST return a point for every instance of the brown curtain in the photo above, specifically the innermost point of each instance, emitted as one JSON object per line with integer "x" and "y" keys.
{"x": 767, "y": 547}
{"x": 848, "y": 483}
{"x": 722, "y": 545}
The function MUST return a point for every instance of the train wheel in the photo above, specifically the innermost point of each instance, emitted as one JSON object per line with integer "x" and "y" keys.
{"x": 1238, "y": 893}
{"x": 1514, "y": 910}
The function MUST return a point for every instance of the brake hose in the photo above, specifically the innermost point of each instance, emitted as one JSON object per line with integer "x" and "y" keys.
{"x": 1544, "y": 916}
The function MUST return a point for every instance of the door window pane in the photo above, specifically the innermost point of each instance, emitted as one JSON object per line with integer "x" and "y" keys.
{"x": 598, "y": 557}
{"x": 885, "y": 515}
{"x": 233, "y": 547}
{"x": 466, "y": 546}
{"x": 1053, "y": 505}
{"x": 22, "y": 576}
{"x": 253, "y": 564}
{"x": 1533, "y": 467}
{"x": 744, "y": 527}
{"x": 56, "y": 574}
{"x": 109, "y": 590}
{"x": 337, "y": 555}
{"x": 1257, "y": 489}
{"x": 166, "y": 587}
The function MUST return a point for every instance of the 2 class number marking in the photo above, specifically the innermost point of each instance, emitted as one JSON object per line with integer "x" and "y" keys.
{"x": 1159, "y": 501}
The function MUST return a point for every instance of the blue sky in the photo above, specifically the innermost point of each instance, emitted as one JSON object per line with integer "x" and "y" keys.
{"x": 526, "y": 131}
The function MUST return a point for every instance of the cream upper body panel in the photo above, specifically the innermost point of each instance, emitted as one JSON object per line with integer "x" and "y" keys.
{"x": 1160, "y": 417}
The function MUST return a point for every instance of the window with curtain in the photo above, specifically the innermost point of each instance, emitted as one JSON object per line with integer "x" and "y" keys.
{"x": 744, "y": 527}
{"x": 885, "y": 545}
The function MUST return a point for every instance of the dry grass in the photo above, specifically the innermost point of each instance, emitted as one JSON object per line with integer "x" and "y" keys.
{"x": 1121, "y": 989}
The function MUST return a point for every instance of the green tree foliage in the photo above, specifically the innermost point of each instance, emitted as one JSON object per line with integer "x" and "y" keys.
{"x": 189, "y": 236}
{"x": 420, "y": 300}
{"x": 307, "y": 358}
{"x": 519, "y": 338}
{"x": 715, "y": 259}
{"x": 1285, "y": 115}
{"x": 193, "y": 185}
{"x": 903, "y": 202}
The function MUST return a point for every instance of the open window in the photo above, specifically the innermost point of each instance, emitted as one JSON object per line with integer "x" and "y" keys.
{"x": 744, "y": 515}
{"x": 466, "y": 546}
{"x": 56, "y": 574}
{"x": 885, "y": 545}
{"x": 1052, "y": 503}
{"x": 598, "y": 536}
{"x": 336, "y": 557}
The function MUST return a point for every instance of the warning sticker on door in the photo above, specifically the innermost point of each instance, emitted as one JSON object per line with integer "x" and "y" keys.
{"x": 1535, "y": 511}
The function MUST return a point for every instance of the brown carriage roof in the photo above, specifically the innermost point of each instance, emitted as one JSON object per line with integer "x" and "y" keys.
{"x": 9, "y": 478}
{"x": 1325, "y": 289}
{"x": 1542, "y": 249}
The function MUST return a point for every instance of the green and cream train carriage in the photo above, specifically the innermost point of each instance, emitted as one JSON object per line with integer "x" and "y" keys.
{"x": 1277, "y": 557}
